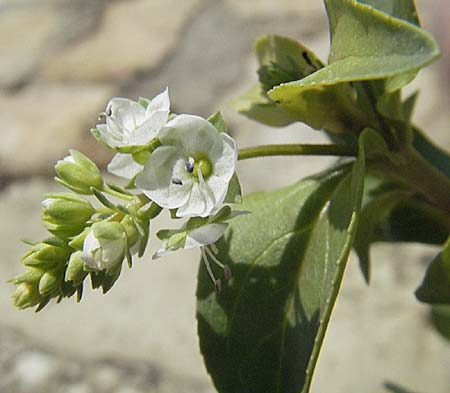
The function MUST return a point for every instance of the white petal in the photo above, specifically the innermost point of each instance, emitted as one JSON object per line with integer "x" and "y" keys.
{"x": 130, "y": 116}
{"x": 115, "y": 103}
{"x": 159, "y": 103}
{"x": 161, "y": 252}
{"x": 90, "y": 246}
{"x": 124, "y": 166}
{"x": 205, "y": 235}
{"x": 224, "y": 157}
{"x": 191, "y": 134}
{"x": 156, "y": 179}
{"x": 196, "y": 205}
{"x": 149, "y": 129}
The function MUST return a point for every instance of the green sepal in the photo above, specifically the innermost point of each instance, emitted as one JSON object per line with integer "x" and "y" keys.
{"x": 234, "y": 193}
{"x": 218, "y": 122}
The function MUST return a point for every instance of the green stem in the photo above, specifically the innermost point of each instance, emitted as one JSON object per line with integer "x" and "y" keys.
{"x": 296, "y": 150}
{"x": 108, "y": 190}
{"x": 426, "y": 179}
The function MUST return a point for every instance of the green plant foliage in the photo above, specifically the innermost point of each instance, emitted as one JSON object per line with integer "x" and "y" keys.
{"x": 372, "y": 214}
{"x": 433, "y": 154}
{"x": 264, "y": 331}
{"x": 435, "y": 287}
{"x": 440, "y": 317}
{"x": 366, "y": 44}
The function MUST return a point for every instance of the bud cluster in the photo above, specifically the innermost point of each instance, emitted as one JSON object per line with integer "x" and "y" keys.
{"x": 180, "y": 162}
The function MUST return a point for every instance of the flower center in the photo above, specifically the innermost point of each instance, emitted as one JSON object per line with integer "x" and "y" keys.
{"x": 199, "y": 164}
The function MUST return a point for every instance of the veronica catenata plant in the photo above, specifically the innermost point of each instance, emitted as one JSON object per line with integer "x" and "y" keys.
{"x": 273, "y": 262}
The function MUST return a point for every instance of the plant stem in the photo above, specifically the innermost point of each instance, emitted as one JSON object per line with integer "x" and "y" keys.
{"x": 108, "y": 190}
{"x": 426, "y": 179}
{"x": 297, "y": 150}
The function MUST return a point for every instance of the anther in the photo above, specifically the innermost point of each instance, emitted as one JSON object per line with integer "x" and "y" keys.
{"x": 177, "y": 181}
{"x": 190, "y": 165}
{"x": 218, "y": 285}
{"x": 227, "y": 272}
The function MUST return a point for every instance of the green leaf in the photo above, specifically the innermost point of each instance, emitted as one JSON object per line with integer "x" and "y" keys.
{"x": 257, "y": 106}
{"x": 372, "y": 214}
{"x": 264, "y": 331}
{"x": 435, "y": 288}
{"x": 433, "y": 154}
{"x": 400, "y": 9}
{"x": 283, "y": 59}
{"x": 440, "y": 317}
{"x": 234, "y": 193}
{"x": 366, "y": 44}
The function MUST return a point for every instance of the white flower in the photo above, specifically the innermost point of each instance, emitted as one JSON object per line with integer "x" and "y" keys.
{"x": 198, "y": 237}
{"x": 203, "y": 237}
{"x": 130, "y": 124}
{"x": 104, "y": 246}
{"x": 192, "y": 169}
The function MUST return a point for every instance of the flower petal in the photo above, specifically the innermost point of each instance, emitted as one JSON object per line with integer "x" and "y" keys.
{"x": 190, "y": 134}
{"x": 223, "y": 155}
{"x": 205, "y": 235}
{"x": 149, "y": 129}
{"x": 196, "y": 205}
{"x": 156, "y": 179}
{"x": 161, "y": 102}
{"x": 124, "y": 166}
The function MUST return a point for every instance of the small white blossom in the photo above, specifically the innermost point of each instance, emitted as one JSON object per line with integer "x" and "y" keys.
{"x": 129, "y": 124}
{"x": 192, "y": 169}
{"x": 199, "y": 237}
{"x": 104, "y": 246}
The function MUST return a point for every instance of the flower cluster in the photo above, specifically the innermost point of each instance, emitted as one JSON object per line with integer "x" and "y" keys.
{"x": 183, "y": 163}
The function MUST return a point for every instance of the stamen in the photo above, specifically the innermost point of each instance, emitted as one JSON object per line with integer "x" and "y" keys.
{"x": 227, "y": 272}
{"x": 102, "y": 116}
{"x": 214, "y": 259}
{"x": 214, "y": 248}
{"x": 177, "y": 181}
{"x": 218, "y": 286}
{"x": 190, "y": 165}
{"x": 208, "y": 266}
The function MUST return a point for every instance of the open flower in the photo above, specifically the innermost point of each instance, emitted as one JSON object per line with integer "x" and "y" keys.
{"x": 202, "y": 233}
{"x": 192, "y": 169}
{"x": 130, "y": 124}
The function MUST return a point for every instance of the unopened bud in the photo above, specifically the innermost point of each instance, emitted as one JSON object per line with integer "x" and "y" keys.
{"x": 47, "y": 255}
{"x": 50, "y": 283}
{"x": 105, "y": 246}
{"x": 75, "y": 271}
{"x": 65, "y": 215}
{"x": 78, "y": 173}
{"x": 26, "y": 295}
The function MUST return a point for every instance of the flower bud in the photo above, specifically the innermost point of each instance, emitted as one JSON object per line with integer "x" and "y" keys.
{"x": 47, "y": 255}
{"x": 75, "y": 271}
{"x": 50, "y": 282}
{"x": 105, "y": 246}
{"x": 65, "y": 214}
{"x": 78, "y": 173}
{"x": 131, "y": 231}
{"x": 26, "y": 295}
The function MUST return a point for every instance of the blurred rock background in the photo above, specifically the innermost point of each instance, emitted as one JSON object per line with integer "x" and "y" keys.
{"x": 60, "y": 62}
